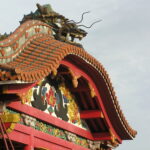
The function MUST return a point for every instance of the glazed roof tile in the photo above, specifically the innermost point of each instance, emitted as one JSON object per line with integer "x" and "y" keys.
{"x": 39, "y": 54}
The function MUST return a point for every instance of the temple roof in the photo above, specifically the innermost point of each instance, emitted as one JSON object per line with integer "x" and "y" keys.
{"x": 31, "y": 53}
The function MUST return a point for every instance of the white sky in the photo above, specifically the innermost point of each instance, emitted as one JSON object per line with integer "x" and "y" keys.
{"x": 120, "y": 42}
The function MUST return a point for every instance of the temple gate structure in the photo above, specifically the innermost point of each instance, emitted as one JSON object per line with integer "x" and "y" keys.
{"x": 53, "y": 94}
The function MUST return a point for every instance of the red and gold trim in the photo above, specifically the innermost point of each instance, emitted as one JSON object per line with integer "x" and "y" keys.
{"x": 10, "y": 121}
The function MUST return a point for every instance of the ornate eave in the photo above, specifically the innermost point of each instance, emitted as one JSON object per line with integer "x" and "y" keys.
{"x": 31, "y": 53}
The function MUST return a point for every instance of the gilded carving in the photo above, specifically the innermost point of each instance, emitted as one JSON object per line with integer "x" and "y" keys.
{"x": 73, "y": 110}
{"x": 10, "y": 119}
{"x": 53, "y": 97}
{"x": 26, "y": 96}
{"x": 28, "y": 120}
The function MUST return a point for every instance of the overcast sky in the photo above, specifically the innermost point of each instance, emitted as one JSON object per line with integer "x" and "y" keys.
{"x": 120, "y": 42}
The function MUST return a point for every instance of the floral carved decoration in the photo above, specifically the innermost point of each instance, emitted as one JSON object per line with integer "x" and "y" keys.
{"x": 53, "y": 97}
{"x": 73, "y": 111}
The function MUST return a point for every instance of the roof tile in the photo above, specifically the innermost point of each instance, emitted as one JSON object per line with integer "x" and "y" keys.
{"x": 42, "y": 55}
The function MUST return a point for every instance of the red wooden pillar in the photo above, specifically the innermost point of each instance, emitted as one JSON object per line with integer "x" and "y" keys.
{"x": 31, "y": 144}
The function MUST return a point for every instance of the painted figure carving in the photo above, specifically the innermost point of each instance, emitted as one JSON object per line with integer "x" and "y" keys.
{"x": 60, "y": 108}
{"x": 71, "y": 137}
{"x": 40, "y": 97}
{"x": 28, "y": 120}
{"x": 52, "y": 96}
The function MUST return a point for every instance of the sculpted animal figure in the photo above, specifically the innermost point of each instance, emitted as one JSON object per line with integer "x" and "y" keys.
{"x": 69, "y": 31}
{"x": 64, "y": 29}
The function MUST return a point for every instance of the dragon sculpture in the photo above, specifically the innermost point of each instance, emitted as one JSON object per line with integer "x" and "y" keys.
{"x": 63, "y": 29}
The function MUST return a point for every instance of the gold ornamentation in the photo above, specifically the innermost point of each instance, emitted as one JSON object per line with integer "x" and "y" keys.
{"x": 73, "y": 110}
{"x": 43, "y": 127}
{"x": 113, "y": 137}
{"x": 11, "y": 128}
{"x": 56, "y": 132}
{"x": 74, "y": 78}
{"x": 92, "y": 91}
{"x": 54, "y": 72}
{"x": 75, "y": 82}
{"x": 10, "y": 118}
{"x": 26, "y": 97}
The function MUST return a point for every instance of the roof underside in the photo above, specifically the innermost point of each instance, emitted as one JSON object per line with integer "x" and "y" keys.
{"x": 31, "y": 53}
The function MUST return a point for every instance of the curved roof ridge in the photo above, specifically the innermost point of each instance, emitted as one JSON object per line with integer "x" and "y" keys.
{"x": 37, "y": 54}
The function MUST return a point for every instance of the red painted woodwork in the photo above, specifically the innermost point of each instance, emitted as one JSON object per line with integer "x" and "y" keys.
{"x": 87, "y": 77}
{"x": 81, "y": 89}
{"x": 88, "y": 114}
{"x": 82, "y": 99}
{"x": 102, "y": 136}
{"x": 50, "y": 119}
{"x": 7, "y": 125}
{"x": 34, "y": 138}
{"x": 17, "y": 88}
{"x": 28, "y": 147}
{"x": 38, "y": 139}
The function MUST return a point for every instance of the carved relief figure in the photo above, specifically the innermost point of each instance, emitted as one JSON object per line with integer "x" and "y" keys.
{"x": 52, "y": 96}
{"x": 61, "y": 109}
{"x": 39, "y": 96}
